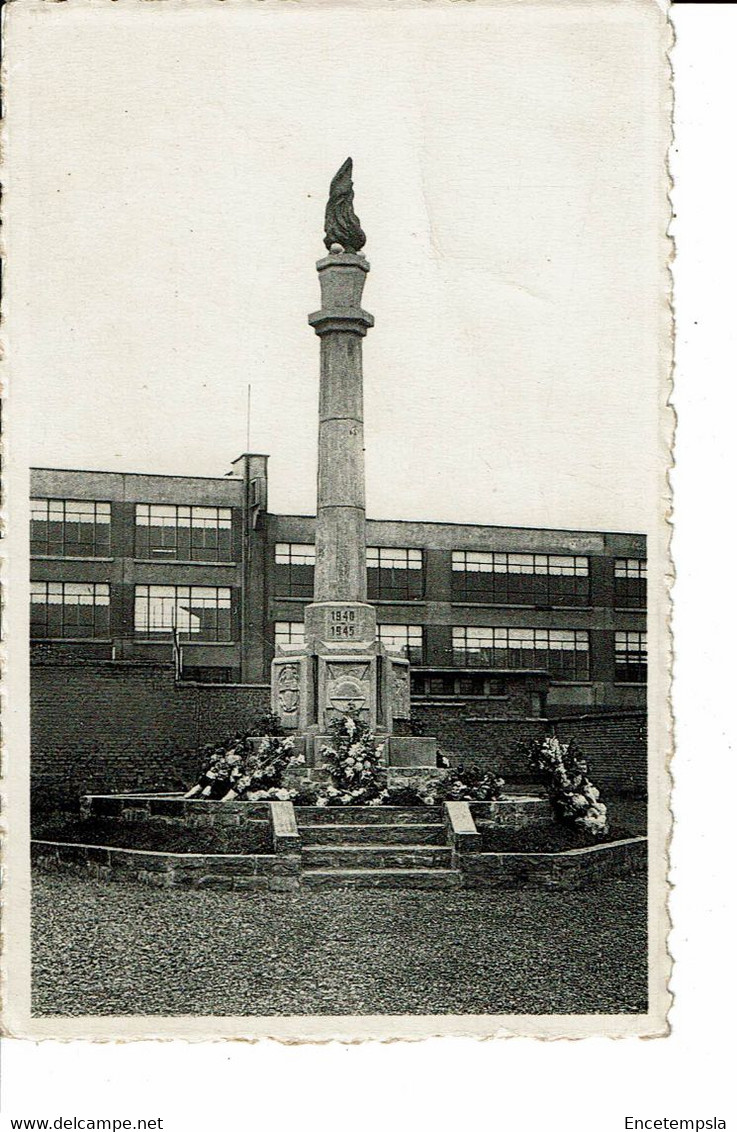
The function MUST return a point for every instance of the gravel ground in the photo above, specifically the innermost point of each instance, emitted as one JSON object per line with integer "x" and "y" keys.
{"x": 118, "y": 948}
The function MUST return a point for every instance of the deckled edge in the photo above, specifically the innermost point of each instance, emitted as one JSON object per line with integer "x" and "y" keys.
{"x": 17, "y": 1020}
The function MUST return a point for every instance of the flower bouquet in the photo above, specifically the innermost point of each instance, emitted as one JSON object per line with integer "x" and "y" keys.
{"x": 260, "y": 776}
{"x": 470, "y": 784}
{"x": 233, "y": 771}
{"x": 356, "y": 766}
{"x": 574, "y": 798}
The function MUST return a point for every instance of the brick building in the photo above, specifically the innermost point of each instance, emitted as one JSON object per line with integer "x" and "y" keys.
{"x": 120, "y": 560}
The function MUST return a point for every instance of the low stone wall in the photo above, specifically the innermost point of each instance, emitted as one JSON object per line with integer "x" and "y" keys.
{"x": 232, "y": 871}
{"x": 255, "y": 819}
{"x": 504, "y": 813}
{"x": 173, "y": 807}
{"x": 281, "y": 870}
{"x": 512, "y": 813}
{"x": 575, "y": 868}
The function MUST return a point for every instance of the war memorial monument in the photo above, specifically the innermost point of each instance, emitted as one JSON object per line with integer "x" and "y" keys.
{"x": 342, "y": 669}
{"x": 336, "y": 792}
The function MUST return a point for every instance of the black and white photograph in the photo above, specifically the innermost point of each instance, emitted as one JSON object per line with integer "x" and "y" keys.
{"x": 337, "y": 452}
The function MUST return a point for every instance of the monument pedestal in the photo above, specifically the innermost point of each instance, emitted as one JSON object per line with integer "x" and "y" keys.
{"x": 341, "y": 670}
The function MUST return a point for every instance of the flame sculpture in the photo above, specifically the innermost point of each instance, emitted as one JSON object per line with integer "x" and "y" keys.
{"x": 342, "y": 226}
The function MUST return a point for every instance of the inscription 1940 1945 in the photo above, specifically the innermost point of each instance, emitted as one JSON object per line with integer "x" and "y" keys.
{"x": 341, "y": 624}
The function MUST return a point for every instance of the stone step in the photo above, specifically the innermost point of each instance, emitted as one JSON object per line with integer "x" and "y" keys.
{"x": 381, "y": 878}
{"x": 376, "y": 857}
{"x": 373, "y": 834}
{"x": 367, "y": 815}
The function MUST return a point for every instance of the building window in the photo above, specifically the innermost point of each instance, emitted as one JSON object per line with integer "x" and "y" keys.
{"x": 70, "y": 528}
{"x": 295, "y": 569}
{"x": 394, "y": 573}
{"x": 520, "y": 579}
{"x": 188, "y": 534}
{"x": 70, "y": 610}
{"x": 199, "y": 613}
{"x": 289, "y": 632}
{"x": 630, "y": 583}
{"x": 406, "y": 639}
{"x": 630, "y": 657}
{"x": 564, "y": 653}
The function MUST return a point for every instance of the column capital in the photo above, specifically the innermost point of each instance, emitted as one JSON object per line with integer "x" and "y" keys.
{"x": 342, "y": 276}
{"x": 350, "y": 321}
{"x": 343, "y": 260}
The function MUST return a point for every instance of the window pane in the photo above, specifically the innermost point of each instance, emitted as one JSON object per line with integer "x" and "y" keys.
{"x": 394, "y": 573}
{"x": 70, "y": 609}
{"x": 183, "y": 532}
{"x": 70, "y": 528}
{"x": 563, "y": 652}
{"x": 289, "y": 632}
{"x": 499, "y": 577}
{"x": 630, "y": 583}
{"x": 630, "y": 653}
{"x": 199, "y": 612}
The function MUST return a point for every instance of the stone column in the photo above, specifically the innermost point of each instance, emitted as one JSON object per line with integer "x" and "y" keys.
{"x": 340, "y": 566}
{"x": 342, "y": 670}
{"x": 340, "y": 536}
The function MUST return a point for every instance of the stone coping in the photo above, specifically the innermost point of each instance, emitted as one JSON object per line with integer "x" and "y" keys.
{"x": 159, "y": 804}
{"x": 584, "y": 851}
{"x": 554, "y": 854}
{"x": 510, "y": 799}
{"x": 152, "y": 852}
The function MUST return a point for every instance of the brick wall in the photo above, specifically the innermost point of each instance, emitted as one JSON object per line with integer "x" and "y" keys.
{"x": 614, "y": 743}
{"x": 107, "y": 726}
{"x": 102, "y": 727}
{"x": 472, "y": 734}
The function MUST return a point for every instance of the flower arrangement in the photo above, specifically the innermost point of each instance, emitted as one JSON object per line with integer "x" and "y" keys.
{"x": 470, "y": 784}
{"x": 358, "y": 777}
{"x": 409, "y": 796}
{"x": 215, "y": 772}
{"x": 575, "y": 800}
{"x": 355, "y": 764}
{"x": 233, "y": 771}
{"x": 260, "y": 774}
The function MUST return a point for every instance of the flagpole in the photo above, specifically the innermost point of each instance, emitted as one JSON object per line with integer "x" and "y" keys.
{"x": 245, "y": 540}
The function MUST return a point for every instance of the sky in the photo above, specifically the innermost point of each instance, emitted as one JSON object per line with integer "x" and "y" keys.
{"x": 169, "y": 172}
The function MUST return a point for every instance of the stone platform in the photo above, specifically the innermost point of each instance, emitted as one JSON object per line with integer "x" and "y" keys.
{"x": 376, "y": 847}
{"x": 505, "y": 812}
